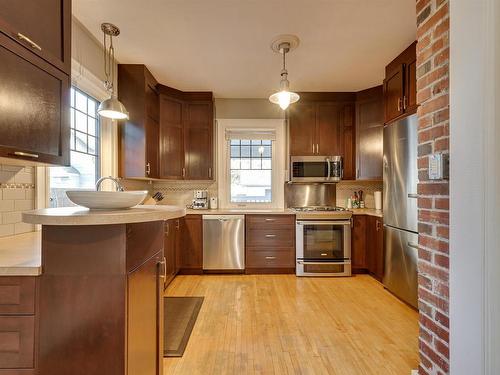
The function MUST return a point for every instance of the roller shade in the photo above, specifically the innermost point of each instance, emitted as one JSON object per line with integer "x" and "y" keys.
{"x": 251, "y": 134}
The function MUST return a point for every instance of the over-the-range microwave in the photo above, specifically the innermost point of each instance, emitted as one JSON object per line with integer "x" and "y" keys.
{"x": 316, "y": 169}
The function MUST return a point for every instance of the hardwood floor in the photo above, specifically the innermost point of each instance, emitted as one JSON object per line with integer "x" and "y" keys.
{"x": 281, "y": 324}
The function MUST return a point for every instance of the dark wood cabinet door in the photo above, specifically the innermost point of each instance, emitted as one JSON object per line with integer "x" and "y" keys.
{"x": 369, "y": 134}
{"x": 171, "y": 138}
{"x": 348, "y": 140}
{"x": 42, "y": 27}
{"x": 34, "y": 120}
{"x": 179, "y": 238}
{"x": 379, "y": 257}
{"x": 152, "y": 148}
{"x": 358, "y": 245}
{"x": 169, "y": 248}
{"x": 192, "y": 244}
{"x": 17, "y": 348}
{"x": 145, "y": 318}
{"x": 198, "y": 141}
{"x": 393, "y": 93}
{"x": 302, "y": 122}
{"x": 328, "y": 136}
{"x": 410, "y": 101}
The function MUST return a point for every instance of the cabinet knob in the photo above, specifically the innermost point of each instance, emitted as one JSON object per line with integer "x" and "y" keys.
{"x": 209, "y": 172}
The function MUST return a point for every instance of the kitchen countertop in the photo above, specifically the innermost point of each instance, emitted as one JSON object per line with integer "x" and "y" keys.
{"x": 84, "y": 216}
{"x": 20, "y": 255}
{"x": 240, "y": 211}
{"x": 367, "y": 211}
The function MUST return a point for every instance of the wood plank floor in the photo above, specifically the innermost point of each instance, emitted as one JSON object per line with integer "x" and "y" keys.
{"x": 281, "y": 324}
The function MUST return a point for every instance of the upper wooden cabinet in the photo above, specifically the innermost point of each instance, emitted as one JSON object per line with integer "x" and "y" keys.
{"x": 138, "y": 139}
{"x": 41, "y": 26}
{"x": 400, "y": 85}
{"x": 322, "y": 124}
{"x": 35, "y": 89}
{"x": 186, "y": 134}
{"x": 369, "y": 133}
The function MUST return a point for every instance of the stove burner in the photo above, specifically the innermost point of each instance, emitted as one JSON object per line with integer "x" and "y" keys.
{"x": 318, "y": 209}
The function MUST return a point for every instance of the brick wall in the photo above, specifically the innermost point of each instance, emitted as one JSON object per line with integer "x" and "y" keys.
{"x": 433, "y": 203}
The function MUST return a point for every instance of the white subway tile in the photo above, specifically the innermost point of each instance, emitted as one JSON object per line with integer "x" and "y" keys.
{"x": 7, "y": 177}
{"x": 11, "y": 217}
{"x": 23, "y": 205}
{"x": 6, "y": 205}
{"x": 13, "y": 193}
{"x": 23, "y": 178}
{"x": 23, "y": 228}
{"x": 30, "y": 194}
{"x": 6, "y": 230}
{"x": 12, "y": 168}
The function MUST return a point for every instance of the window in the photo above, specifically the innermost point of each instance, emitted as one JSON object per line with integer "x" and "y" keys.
{"x": 84, "y": 151}
{"x": 251, "y": 171}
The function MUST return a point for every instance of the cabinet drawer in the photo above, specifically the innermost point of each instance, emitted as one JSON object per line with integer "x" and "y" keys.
{"x": 270, "y": 237}
{"x": 17, "y": 295}
{"x": 270, "y": 221}
{"x": 270, "y": 259}
{"x": 17, "y": 340}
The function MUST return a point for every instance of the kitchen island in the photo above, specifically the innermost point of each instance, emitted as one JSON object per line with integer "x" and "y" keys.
{"x": 97, "y": 307}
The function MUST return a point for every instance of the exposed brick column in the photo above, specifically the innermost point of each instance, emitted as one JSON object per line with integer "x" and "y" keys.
{"x": 433, "y": 203}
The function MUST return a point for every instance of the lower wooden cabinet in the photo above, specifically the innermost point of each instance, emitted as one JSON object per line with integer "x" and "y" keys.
{"x": 18, "y": 321}
{"x": 270, "y": 244}
{"x": 191, "y": 248}
{"x": 367, "y": 246}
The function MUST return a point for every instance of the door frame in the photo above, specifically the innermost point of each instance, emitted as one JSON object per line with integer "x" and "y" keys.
{"x": 474, "y": 187}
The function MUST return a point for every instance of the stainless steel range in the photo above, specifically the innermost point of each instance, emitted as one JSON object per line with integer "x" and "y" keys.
{"x": 323, "y": 241}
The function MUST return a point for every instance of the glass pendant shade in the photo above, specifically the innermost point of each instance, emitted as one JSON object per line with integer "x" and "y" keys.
{"x": 284, "y": 97}
{"x": 112, "y": 108}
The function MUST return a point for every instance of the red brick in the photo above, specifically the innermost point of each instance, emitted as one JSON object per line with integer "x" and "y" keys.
{"x": 425, "y": 282}
{"x": 442, "y": 203}
{"x": 424, "y": 308}
{"x": 426, "y": 336}
{"x": 425, "y": 228}
{"x": 431, "y": 133}
{"x": 442, "y": 57}
{"x": 443, "y": 232}
{"x": 424, "y": 43}
{"x": 423, "y": 162}
{"x": 443, "y": 27}
{"x": 424, "y": 122}
{"x": 441, "y": 260}
{"x": 432, "y": 76}
{"x": 433, "y": 105}
{"x": 434, "y": 48}
{"x": 421, "y": 4}
{"x": 434, "y": 357}
{"x": 442, "y": 144}
{"x": 442, "y": 289}
{"x": 421, "y": 370}
{"x": 441, "y": 86}
{"x": 432, "y": 243}
{"x": 440, "y": 332}
{"x": 432, "y": 21}
{"x": 441, "y": 318}
{"x": 442, "y": 348}
{"x": 433, "y": 272}
{"x": 424, "y": 202}
{"x": 441, "y": 116}
{"x": 424, "y": 95}
{"x": 424, "y": 254}
{"x": 437, "y": 188}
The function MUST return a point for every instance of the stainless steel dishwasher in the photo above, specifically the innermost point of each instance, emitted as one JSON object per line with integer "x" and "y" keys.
{"x": 223, "y": 242}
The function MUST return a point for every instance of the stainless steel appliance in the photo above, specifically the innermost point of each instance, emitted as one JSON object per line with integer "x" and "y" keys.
{"x": 316, "y": 169}
{"x": 400, "y": 208}
{"x": 323, "y": 241}
{"x": 223, "y": 242}
{"x": 200, "y": 200}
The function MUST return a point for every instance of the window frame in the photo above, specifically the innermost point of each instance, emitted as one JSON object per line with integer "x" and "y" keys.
{"x": 278, "y": 159}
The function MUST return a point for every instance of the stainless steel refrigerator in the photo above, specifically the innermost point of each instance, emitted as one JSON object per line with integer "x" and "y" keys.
{"x": 400, "y": 208}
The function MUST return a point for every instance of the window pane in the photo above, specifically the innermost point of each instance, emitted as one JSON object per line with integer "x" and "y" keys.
{"x": 235, "y": 142}
{"x": 256, "y": 164}
{"x": 81, "y": 121}
{"x": 251, "y": 186}
{"x": 245, "y": 142}
{"x": 72, "y": 101}
{"x": 92, "y": 126}
{"x": 267, "y": 142}
{"x": 266, "y": 163}
{"x": 245, "y": 163}
{"x": 245, "y": 151}
{"x": 72, "y": 114}
{"x": 92, "y": 107}
{"x": 92, "y": 144}
{"x": 235, "y": 163}
{"x": 81, "y": 142}
{"x": 80, "y": 101}
{"x": 266, "y": 151}
{"x": 72, "y": 140}
{"x": 235, "y": 151}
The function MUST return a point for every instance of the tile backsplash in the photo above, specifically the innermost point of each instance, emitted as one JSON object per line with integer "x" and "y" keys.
{"x": 17, "y": 194}
{"x": 346, "y": 189}
{"x": 181, "y": 192}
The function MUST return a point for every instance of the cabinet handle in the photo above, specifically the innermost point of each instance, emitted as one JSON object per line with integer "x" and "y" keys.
{"x": 270, "y": 235}
{"x": 324, "y": 254}
{"x": 405, "y": 102}
{"x": 167, "y": 228}
{"x": 270, "y": 258}
{"x": 270, "y": 219}
{"x": 378, "y": 225}
{"x": 163, "y": 265}
{"x": 26, "y": 154}
{"x": 399, "y": 104}
{"x": 313, "y": 149}
{"x": 177, "y": 224}
{"x": 148, "y": 169}
{"x": 183, "y": 172}
{"x": 317, "y": 148}
{"x": 29, "y": 41}
{"x": 209, "y": 172}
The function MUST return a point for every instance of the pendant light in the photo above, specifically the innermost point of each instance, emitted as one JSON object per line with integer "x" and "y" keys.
{"x": 284, "y": 97}
{"x": 110, "y": 108}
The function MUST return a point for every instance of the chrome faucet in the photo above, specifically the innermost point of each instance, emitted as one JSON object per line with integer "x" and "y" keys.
{"x": 119, "y": 187}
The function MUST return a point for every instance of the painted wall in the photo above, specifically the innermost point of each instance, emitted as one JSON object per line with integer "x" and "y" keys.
{"x": 247, "y": 109}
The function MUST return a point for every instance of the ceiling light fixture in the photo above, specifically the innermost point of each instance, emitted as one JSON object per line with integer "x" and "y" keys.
{"x": 111, "y": 108}
{"x": 284, "y": 44}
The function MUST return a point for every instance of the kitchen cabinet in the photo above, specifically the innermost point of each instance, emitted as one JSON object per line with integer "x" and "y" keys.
{"x": 322, "y": 124}
{"x": 169, "y": 248}
{"x": 138, "y": 140}
{"x": 270, "y": 243}
{"x": 375, "y": 246}
{"x": 18, "y": 317}
{"x": 400, "y": 85}
{"x": 35, "y": 78}
{"x": 369, "y": 133}
{"x": 191, "y": 250}
{"x": 186, "y": 135}
{"x": 43, "y": 27}
{"x": 358, "y": 243}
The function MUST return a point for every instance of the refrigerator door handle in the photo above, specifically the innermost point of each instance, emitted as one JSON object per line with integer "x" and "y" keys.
{"x": 410, "y": 195}
{"x": 412, "y": 245}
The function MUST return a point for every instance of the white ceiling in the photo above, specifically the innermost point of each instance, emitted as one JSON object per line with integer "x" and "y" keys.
{"x": 224, "y": 45}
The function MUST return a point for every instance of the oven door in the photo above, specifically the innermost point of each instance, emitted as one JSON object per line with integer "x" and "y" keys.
{"x": 323, "y": 248}
{"x": 311, "y": 169}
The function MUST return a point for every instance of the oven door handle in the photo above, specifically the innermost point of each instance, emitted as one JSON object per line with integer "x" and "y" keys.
{"x": 332, "y": 222}
{"x": 304, "y": 262}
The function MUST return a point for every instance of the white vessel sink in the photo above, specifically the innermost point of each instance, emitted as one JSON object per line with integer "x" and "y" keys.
{"x": 105, "y": 200}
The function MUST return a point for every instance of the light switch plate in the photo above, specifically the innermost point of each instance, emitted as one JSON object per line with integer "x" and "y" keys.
{"x": 439, "y": 166}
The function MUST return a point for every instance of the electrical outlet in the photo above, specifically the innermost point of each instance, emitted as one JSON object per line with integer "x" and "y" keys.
{"x": 439, "y": 166}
